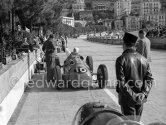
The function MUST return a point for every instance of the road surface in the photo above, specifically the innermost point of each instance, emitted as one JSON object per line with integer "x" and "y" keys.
{"x": 47, "y": 106}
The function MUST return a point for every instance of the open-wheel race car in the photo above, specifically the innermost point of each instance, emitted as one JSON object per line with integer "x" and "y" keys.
{"x": 78, "y": 72}
{"x": 97, "y": 113}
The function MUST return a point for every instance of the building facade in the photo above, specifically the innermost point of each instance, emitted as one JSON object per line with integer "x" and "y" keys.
{"x": 132, "y": 23}
{"x": 135, "y": 7}
{"x": 163, "y": 5}
{"x": 158, "y": 19}
{"x": 78, "y": 5}
{"x": 150, "y": 7}
{"x": 103, "y": 4}
{"x": 68, "y": 20}
{"x": 122, "y": 8}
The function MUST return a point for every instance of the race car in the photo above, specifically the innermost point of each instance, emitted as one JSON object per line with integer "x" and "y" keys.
{"x": 78, "y": 72}
{"x": 99, "y": 113}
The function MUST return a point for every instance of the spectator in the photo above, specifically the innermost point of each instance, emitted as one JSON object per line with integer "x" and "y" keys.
{"x": 144, "y": 45}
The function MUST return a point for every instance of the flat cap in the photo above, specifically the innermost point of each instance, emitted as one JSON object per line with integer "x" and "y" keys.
{"x": 129, "y": 38}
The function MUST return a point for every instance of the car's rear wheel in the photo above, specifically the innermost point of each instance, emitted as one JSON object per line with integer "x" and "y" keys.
{"x": 58, "y": 78}
{"x": 89, "y": 62}
{"x": 102, "y": 76}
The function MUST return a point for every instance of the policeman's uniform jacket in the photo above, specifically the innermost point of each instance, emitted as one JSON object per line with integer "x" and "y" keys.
{"x": 133, "y": 76}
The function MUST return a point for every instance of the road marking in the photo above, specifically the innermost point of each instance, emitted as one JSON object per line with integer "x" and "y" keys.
{"x": 112, "y": 96}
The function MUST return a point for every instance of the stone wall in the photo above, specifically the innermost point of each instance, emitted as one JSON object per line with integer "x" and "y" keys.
{"x": 105, "y": 40}
{"x": 14, "y": 77}
{"x": 156, "y": 43}
{"x": 11, "y": 73}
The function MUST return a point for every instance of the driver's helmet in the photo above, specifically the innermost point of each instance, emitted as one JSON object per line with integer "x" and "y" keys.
{"x": 75, "y": 50}
{"x": 97, "y": 113}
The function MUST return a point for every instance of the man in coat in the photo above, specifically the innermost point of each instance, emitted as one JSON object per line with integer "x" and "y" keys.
{"x": 143, "y": 46}
{"x": 49, "y": 47}
{"x": 134, "y": 79}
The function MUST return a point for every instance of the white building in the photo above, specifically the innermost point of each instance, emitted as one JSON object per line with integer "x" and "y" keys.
{"x": 150, "y": 7}
{"x": 78, "y": 5}
{"x": 132, "y": 23}
{"x": 68, "y": 20}
{"x": 103, "y": 4}
{"x": 135, "y": 7}
{"x": 157, "y": 19}
{"x": 122, "y": 7}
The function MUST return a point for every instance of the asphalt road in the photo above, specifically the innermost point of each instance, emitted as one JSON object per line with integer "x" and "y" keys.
{"x": 154, "y": 109}
{"x": 47, "y": 106}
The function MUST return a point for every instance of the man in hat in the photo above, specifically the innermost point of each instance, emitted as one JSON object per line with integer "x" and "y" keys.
{"x": 134, "y": 79}
{"x": 49, "y": 47}
{"x": 143, "y": 46}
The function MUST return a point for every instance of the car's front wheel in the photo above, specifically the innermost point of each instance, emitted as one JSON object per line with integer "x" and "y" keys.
{"x": 102, "y": 76}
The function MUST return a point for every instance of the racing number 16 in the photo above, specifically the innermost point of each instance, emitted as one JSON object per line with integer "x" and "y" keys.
{"x": 80, "y": 70}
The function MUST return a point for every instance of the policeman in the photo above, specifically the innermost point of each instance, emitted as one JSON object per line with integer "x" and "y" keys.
{"x": 134, "y": 79}
{"x": 49, "y": 48}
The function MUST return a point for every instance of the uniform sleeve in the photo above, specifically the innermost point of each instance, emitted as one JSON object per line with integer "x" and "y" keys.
{"x": 124, "y": 88}
{"x": 140, "y": 47}
{"x": 148, "y": 82}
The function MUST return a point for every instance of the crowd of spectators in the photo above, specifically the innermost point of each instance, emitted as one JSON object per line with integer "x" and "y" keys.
{"x": 157, "y": 32}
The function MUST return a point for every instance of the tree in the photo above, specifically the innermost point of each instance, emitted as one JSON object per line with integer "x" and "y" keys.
{"x": 5, "y": 8}
{"x": 100, "y": 28}
{"x": 79, "y": 28}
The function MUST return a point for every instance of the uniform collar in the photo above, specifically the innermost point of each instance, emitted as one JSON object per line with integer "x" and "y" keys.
{"x": 129, "y": 50}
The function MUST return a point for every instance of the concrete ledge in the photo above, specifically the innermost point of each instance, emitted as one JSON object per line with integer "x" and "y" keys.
{"x": 14, "y": 78}
{"x": 105, "y": 40}
{"x": 156, "y": 43}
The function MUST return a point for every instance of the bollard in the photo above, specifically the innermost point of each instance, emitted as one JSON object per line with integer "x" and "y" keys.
{"x": 6, "y": 60}
{"x": 14, "y": 57}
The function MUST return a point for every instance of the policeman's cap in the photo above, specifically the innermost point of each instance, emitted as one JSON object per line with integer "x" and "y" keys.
{"x": 129, "y": 38}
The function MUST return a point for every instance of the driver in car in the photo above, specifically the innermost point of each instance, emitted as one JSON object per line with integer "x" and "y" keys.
{"x": 70, "y": 55}
{"x": 74, "y": 53}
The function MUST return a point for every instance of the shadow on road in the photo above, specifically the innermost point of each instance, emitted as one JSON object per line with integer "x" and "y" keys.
{"x": 39, "y": 84}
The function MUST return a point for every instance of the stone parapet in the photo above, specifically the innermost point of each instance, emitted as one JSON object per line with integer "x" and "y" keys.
{"x": 156, "y": 43}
